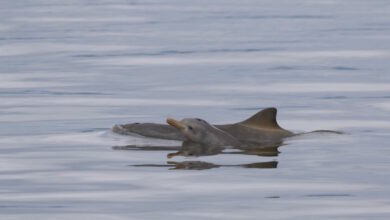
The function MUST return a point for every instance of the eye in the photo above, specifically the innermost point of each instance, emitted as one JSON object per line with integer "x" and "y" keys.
{"x": 189, "y": 127}
{"x": 199, "y": 119}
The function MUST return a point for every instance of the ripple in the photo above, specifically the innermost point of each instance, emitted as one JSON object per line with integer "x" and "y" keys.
{"x": 288, "y": 17}
{"x": 329, "y": 195}
{"x": 288, "y": 87}
{"x": 244, "y": 58}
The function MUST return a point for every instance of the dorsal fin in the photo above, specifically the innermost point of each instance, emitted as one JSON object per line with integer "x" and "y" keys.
{"x": 265, "y": 118}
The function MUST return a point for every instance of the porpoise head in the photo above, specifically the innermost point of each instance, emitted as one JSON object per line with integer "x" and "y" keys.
{"x": 199, "y": 131}
{"x": 194, "y": 129}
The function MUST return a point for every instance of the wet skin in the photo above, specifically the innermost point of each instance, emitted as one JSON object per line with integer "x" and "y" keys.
{"x": 199, "y": 131}
{"x": 260, "y": 128}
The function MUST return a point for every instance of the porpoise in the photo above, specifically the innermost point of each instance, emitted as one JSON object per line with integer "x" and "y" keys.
{"x": 262, "y": 127}
{"x": 202, "y": 138}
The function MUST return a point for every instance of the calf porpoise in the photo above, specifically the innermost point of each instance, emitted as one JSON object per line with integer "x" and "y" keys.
{"x": 202, "y": 138}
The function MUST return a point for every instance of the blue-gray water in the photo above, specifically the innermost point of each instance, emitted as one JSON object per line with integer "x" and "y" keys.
{"x": 70, "y": 70}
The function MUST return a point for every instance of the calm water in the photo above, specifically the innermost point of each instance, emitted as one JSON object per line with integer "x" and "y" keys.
{"x": 70, "y": 70}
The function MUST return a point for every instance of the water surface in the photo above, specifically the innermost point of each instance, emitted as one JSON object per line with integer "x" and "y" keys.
{"x": 70, "y": 70}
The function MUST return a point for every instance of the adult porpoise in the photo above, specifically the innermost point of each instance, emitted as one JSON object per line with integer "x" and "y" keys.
{"x": 261, "y": 127}
{"x": 202, "y": 138}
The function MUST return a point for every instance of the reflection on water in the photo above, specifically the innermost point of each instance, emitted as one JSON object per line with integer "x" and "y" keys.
{"x": 194, "y": 149}
{"x": 191, "y": 149}
{"x": 200, "y": 165}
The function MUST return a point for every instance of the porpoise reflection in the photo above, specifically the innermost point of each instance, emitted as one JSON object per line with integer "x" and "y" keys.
{"x": 191, "y": 149}
{"x": 200, "y": 165}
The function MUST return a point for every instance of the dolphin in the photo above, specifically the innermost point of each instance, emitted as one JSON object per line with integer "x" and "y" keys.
{"x": 262, "y": 127}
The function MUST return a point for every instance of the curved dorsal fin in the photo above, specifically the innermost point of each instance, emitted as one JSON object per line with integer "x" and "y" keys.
{"x": 265, "y": 118}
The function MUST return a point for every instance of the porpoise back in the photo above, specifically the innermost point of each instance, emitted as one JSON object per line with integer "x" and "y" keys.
{"x": 261, "y": 127}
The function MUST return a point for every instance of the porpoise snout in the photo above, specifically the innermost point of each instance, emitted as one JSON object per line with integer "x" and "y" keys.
{"x": 175, "y": 123}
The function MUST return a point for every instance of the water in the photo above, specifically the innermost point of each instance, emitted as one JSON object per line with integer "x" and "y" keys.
{"x": 70, "y": 70}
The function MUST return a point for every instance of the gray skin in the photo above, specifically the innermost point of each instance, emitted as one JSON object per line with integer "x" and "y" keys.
{"x": 259, "y": 128}
{"x": 201, "y": 138}
{"x": 199, "y": 131}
